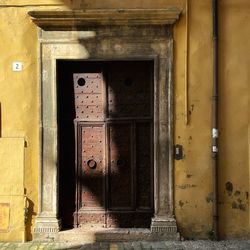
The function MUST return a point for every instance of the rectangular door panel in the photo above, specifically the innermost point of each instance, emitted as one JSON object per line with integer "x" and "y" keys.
{"x": 128, "y": 219}
{"x": 92, "y": 219}
{"x": 144, "y": 169}
{"x": 142, "y": 219}
{"x": 120, "y": 219}
{"x": 92, "y": 179}
{"x": 89, "y": 96}
{"x": 120, "y": 166}
{"x": 129, "y": 93}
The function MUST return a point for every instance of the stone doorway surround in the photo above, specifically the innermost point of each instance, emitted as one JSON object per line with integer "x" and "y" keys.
{"x": 144, "y": 34}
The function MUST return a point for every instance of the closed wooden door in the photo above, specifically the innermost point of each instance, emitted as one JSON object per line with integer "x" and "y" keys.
{"x": 114, "y": 131}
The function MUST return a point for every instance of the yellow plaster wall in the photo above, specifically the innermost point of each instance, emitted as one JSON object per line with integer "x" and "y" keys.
{"x": 11, "y": 189}
{"x": 193, "y": 174}
{"x": 234, "y": 120}
{"x": 19, "y": 94}
{"x": 19, "y": 98}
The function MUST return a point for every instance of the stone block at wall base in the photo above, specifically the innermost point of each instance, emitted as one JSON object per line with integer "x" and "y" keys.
{"x": 46, "y": 228}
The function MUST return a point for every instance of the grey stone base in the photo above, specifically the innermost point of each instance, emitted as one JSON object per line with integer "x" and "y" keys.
{"x": 165, "y": 225}
{"x": 46, "y": 228}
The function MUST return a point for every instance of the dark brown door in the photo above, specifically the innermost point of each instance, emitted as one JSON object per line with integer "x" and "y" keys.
{"x": 114, "y": 128}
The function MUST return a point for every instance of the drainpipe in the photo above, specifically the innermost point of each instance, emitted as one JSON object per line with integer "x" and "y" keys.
{"x": 215, "y": 133}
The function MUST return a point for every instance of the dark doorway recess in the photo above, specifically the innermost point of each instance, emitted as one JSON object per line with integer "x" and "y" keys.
{"x": 105, "y": 124}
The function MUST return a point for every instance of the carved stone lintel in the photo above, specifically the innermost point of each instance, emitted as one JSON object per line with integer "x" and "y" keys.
{"x": 74, "y": 18}
{"x": 46, "y": 228}
{"x": 166, "y": 225}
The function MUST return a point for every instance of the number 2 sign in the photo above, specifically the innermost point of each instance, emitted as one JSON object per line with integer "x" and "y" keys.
{"x": 17, "y": 66}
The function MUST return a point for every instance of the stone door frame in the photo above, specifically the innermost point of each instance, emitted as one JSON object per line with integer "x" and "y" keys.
{"x": 103, "y": 42}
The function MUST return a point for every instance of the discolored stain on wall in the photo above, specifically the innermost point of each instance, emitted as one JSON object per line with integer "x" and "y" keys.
{"x": 229, "y": 188}
{"x": 209, "y": 198}
{"x": 237, "y": 193}
{"x": 191, "y": 109}
{"x": 190, "y": 138}
{"x": 185, "y": 186}
{"x": 238, "y": 198}
{"x": 239, "y": 205}
{"x": 4, "y": 216}
{"x": 247, "y": 195}
{"x": 181, "y": 203}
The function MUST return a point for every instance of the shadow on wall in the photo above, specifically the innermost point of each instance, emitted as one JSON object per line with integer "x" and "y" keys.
{"x": 28, "y": 219}
{"x": 106, "y": 4}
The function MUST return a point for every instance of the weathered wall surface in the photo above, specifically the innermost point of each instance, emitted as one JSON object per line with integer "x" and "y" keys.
{"x": 19, "y": 102}
{"x": 193, "y": 174}
{"x": 19, "y": 98}
{"x": 234, "y": 119}
{"x": 11, "y": 188}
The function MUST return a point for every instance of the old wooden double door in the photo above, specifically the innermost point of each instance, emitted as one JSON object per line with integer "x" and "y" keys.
{"x": 114, "y": 136}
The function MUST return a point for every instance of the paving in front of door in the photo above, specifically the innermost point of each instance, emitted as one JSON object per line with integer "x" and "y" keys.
{"x": 133, "y": 245}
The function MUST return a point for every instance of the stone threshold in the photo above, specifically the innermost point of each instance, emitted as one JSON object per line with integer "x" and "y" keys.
{"x": 113, "y": 235}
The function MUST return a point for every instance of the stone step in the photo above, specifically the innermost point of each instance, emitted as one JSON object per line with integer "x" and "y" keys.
{"x": 111, "y": 235}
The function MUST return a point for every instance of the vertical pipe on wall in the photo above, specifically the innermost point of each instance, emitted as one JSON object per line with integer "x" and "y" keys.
{"x": 215, "y": 118}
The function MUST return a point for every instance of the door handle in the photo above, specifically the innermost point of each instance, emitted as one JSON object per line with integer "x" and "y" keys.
{"x": 92, "y": 163}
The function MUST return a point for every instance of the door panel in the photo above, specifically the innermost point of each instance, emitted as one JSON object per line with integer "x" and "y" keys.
{"x": 91, "y": 219}
{"x": 89, "y": 100}
{"x": 144, "y": 183}
{"x": 123, "y": 219}
{"x": 129, "y": 92}
{"x": 92, "y": 174}
{"x": 121, "y": 166}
